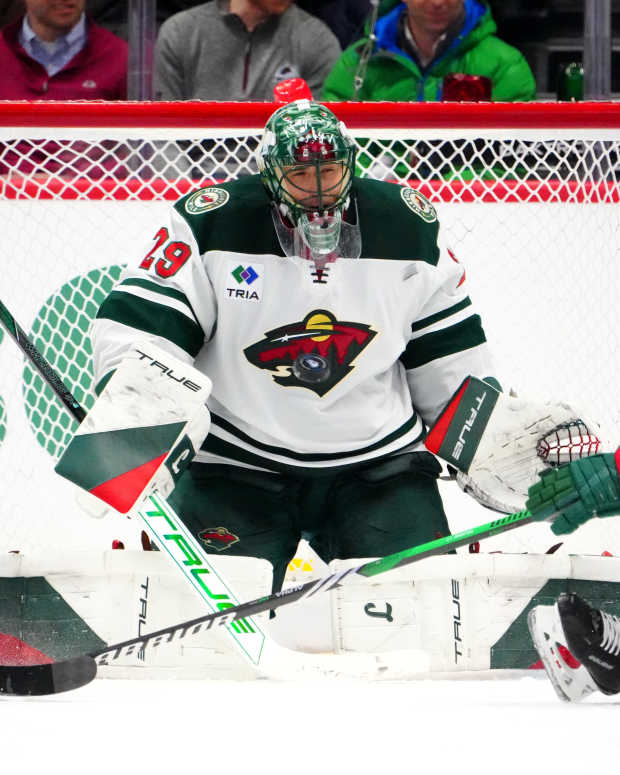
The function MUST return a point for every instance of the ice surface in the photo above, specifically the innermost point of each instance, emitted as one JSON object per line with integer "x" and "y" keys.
{"x": 495, "y": 727}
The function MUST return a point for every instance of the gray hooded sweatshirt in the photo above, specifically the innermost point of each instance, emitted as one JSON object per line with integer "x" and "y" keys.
{"x": 207, "y": 53}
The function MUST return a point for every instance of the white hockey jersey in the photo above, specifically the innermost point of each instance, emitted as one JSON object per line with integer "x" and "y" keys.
{"x": 309, "y": 369}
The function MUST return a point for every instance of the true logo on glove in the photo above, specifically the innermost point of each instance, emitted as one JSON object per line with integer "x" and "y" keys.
{"x": 468, "y": 425}
{"x": 170, "y": 372}
{"x": 456, "y": 434}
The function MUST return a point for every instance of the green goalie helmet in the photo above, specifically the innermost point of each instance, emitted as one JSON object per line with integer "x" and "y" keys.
{"x": 306, "y": 159}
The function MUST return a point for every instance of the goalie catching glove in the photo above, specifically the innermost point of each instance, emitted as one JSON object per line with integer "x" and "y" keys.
{"x": 578, "y": 491}
{"x": 143, "y": 430}
{"x": 499, "y": 444}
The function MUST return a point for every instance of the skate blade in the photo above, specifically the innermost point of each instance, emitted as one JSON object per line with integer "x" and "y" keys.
{"x": 571, "y": 684}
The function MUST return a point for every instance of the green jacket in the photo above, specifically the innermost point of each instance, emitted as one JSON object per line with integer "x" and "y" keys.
{"x": 393, "y": 76}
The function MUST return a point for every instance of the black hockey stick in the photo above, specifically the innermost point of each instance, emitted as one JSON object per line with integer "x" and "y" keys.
{"x": 68, "y": 674}
{"x": 40, "y": 363}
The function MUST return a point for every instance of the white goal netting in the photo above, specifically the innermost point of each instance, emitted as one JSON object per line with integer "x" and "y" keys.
{"x": 528, "y": 197}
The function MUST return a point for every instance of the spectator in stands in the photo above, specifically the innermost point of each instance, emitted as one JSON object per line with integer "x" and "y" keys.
{"x": 240, "y": 49}
{"x": 420, "y": 42}
{"x": 345, "y": 18}
{"x": 54, "y": 52}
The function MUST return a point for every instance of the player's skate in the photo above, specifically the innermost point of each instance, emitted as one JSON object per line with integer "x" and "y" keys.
{"x": 593, "y": 636}
{"x": 570, "y": 679}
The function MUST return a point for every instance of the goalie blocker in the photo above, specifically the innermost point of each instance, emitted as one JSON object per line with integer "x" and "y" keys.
{"x": 499, "y": 443}
{"x": 143, "y": 430}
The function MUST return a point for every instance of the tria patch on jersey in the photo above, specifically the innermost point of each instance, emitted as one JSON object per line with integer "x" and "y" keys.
{"x": 244, "y": 282}
{"x": 206, "y": 199}
{"x": 419, "y": 204}
{"x": 315, "y": 353}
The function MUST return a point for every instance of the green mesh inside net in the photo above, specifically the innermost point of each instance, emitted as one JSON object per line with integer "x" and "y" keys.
{"x": 60, "y": 331}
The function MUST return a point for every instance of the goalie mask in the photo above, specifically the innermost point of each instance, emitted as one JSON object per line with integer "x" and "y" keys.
{"x": 306, "y": 159}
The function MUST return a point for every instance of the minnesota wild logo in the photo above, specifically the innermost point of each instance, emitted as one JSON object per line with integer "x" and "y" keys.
{"x": 218, "y": 538}
{"x": 315, "y": 353}
{"x": 419, "y": 204}
{"x": 206, "y": 199}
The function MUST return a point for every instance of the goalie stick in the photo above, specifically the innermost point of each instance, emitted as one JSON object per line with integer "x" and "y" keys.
{"x": 52, "y": 678}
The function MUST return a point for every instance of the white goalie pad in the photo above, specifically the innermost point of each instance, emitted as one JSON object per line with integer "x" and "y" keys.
{"x": 453, "y": 614}
{"x": 499, "y": 443}
{"x": 143, "y": 430}
{"x": 456, "y": 613}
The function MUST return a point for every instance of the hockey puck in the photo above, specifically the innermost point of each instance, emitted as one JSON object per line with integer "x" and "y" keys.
{"x": 309, "y": 367}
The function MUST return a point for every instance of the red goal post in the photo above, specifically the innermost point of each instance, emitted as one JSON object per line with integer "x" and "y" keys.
{"x": 74, "y": 124}
{"x": 527, "y": 196}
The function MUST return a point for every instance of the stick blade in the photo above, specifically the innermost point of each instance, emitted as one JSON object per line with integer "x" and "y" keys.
{"x": 52, "y": 678}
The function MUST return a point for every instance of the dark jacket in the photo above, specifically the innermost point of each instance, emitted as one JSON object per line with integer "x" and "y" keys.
{"x": 345, "y": 18}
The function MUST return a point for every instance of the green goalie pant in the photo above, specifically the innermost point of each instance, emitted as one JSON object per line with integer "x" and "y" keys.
{"x": 368, "y": 511}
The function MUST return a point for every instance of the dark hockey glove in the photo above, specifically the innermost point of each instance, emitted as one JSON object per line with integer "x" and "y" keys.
{"x": 585, "y": 488}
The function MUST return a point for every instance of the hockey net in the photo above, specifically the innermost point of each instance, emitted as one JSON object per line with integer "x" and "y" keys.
{"x": 527, "y": 195}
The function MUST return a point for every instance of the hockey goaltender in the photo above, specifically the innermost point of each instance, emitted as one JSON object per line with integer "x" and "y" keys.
{"x": 323, "y": 327}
